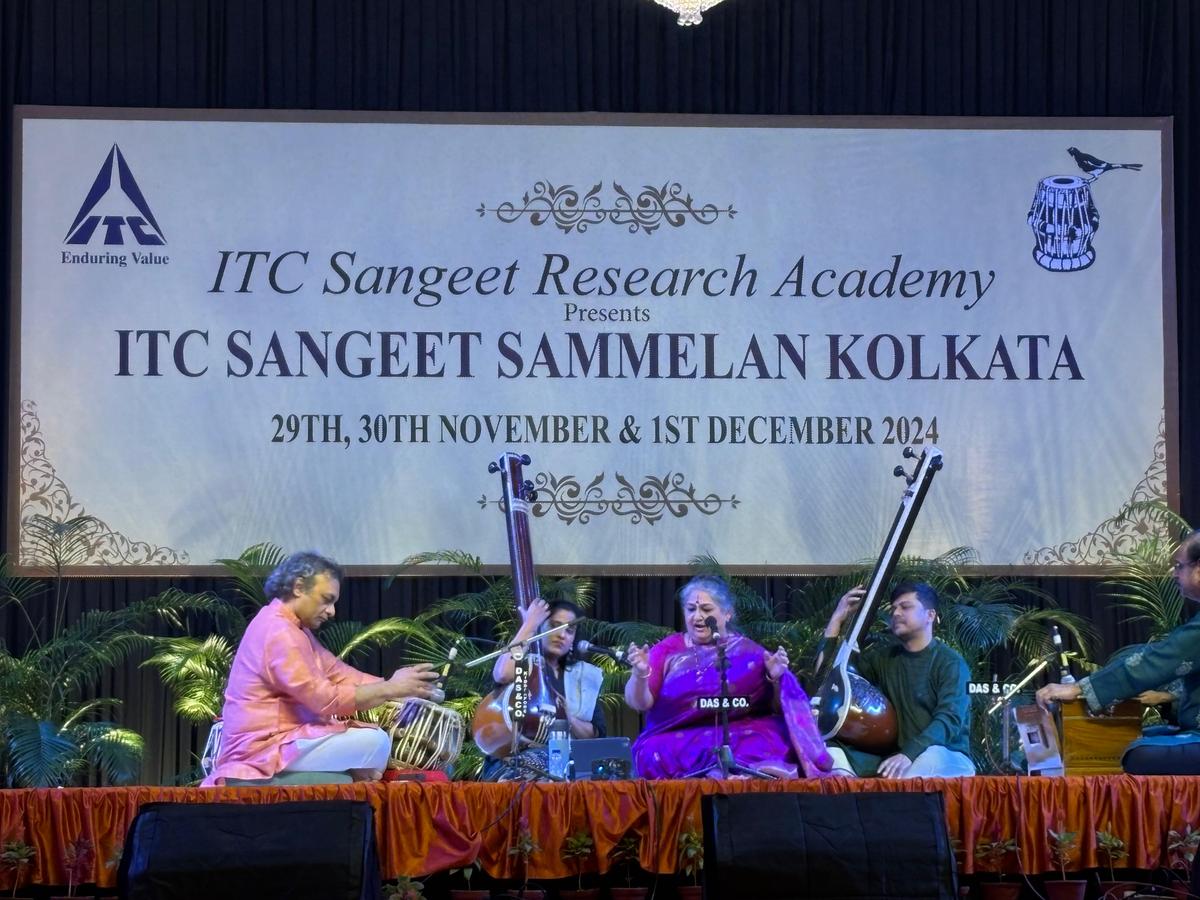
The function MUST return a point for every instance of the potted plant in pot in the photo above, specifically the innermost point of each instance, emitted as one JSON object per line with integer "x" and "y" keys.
{"x": 1181, "y": 854}
{"x": 691, "y": 861}
{"x": 523, "y": 847}
{"x": 467, "y": 871}
{"x": 15, "y": 856}
{"x": 991, "y": 854}
{"x": 1112, "y": 849}
{"x": 403, "y": 888}
{"x": 579, "y": 846}
{"x": 1062, "y": 848}
{"x": 625, "y": 854}
{"x": 78, "y": 858}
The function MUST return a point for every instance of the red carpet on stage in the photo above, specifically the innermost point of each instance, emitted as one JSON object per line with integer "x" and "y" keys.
{"x": 424, "y": 828}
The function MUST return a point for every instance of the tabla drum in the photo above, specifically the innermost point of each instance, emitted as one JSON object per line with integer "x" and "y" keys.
{"x": 1064, "y": 220}
{"x": 424, "y": 735}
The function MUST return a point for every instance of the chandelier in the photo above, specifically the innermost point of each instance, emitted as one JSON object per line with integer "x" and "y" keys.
{"x": 689, "y": 10}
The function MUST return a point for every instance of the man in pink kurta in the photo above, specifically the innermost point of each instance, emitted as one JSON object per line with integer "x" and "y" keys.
{"x": 289, "y": 702}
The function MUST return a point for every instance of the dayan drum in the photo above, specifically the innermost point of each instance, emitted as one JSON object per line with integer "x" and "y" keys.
{"x": 424, "y": 735}
{"x": 1064, "y": 220}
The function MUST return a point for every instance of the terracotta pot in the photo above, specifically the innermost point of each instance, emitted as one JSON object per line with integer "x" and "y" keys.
{"x": 628, "y": 893}
{"x": 1065, "y": 890}
{"x": 585, "y": 894}
{"x": 1116, "y": 890}
{"x": 1000, "y": 890}
{"x": 470, "y": 895}
{"x": 530, "y": 894}
{"x": 690, "y": 892}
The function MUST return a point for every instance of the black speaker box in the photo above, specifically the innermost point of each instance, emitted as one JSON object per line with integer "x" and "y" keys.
{"x": 779, "y": 846}
{"x": 189, "y": 851}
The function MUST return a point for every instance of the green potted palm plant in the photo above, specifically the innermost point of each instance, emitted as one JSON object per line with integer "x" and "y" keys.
{"x": 52, "y": 729}
{"x": 991, "y": 854}
{"x": 691, "y": 861}
{"x": 16, "y": 856}
{"x": 579, "y": 847}
{"x": 625, "y": 854}
{"x": 1063, "y": 845}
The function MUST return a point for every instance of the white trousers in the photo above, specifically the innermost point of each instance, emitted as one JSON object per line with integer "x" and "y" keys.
{"x": 354, "y": 748}
{"x": 935, "y": 762}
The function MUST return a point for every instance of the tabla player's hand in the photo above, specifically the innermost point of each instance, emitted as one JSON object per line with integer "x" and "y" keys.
{"x": 639, "y": 660}
{"x": 776, "y": 663}
{"x": 1053, "y": 693}
{"x": 417, "y": 681}
{"x": 896, "y": 766}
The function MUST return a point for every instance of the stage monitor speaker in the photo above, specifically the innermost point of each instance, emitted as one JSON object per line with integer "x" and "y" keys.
{"x": 189, "y": 851}
{"x": 779, "y": 846}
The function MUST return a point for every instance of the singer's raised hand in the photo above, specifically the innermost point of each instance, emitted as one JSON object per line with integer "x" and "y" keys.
{"x": 1054, "y": 692}
{"x": 776, "y": 663}
{"x": 639, "y": 660}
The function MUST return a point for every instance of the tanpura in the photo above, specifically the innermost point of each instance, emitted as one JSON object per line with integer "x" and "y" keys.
{"x": 521, "y": 713}
{"x": 846, "y": 705}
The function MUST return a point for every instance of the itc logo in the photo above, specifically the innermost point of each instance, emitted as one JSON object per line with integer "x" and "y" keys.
{"x": 110, "y": 207}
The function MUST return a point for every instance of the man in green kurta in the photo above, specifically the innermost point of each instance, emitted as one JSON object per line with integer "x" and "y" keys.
{"x": 1177, "y": 656}
{"x": 925, "y": 681}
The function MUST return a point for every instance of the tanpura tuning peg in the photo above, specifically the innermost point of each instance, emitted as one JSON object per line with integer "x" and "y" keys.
{"x": 909, "y": 453}
{"x": 493, "y": 467}
{"x": 525, "y": 460}
{"x": 899, "y": 472}
{"x": 527, "y": 491}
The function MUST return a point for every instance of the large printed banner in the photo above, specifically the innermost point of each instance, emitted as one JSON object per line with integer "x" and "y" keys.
{"x": 710, "y": 336}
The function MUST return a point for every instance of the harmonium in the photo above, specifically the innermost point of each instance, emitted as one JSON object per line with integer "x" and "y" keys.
{"x": 1092, "y": 743}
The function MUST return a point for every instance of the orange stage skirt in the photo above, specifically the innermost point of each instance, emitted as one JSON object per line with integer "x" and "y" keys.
{"x": 426, "y": 827}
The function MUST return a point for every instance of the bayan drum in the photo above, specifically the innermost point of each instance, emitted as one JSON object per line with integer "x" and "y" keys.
{"x": 424, "y": 735}
{"x": 1064, "y": 220}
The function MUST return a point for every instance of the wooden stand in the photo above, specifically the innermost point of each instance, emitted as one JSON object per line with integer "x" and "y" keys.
{"x": 1093, "y": 744}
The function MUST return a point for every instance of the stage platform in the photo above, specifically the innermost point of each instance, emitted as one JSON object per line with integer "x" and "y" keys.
{"x": 425, "y": 828}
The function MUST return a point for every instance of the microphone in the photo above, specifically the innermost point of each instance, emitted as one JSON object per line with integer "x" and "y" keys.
{"x": 615, "y": 654}
{"x": 1064, "y": 665}
{"x": 445, "y": 673}
{"x": 711, "y": 624}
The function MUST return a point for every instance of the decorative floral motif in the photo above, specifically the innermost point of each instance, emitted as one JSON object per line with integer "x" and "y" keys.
{"x": 1121, "y": 533}
{"x": 1133, "y": 660}
{"x": 645, "y": 212}
{"x": 44, "y": 493}
{"x": 571, "y": 501}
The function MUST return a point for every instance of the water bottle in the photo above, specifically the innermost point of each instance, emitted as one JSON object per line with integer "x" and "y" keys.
{"x": 1064, "y": 665}
{"x": 558, "y": 749}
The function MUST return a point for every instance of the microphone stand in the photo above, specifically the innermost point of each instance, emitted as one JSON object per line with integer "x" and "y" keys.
{"x": 479, "y": 660}
{"x": 725, "y": 752}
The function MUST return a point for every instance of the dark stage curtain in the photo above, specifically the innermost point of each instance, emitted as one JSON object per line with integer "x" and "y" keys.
{"x": 761, "y": 57}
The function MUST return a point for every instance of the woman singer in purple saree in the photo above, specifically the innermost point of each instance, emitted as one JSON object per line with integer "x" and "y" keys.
{"x": 773, "y": 732}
